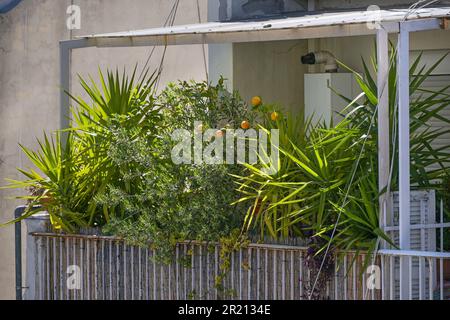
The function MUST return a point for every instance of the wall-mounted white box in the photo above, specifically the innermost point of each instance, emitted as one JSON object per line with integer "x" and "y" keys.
{"x": 321, "y": 102}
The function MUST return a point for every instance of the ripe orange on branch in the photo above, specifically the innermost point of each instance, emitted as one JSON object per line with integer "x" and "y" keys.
{"x": 256, "y": 101}
{"x": 245, "y": 125}
{"x": 274, "y": 116}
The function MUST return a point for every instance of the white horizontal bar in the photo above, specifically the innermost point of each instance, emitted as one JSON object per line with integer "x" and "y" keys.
{"x": 422, "y": 25}
{"x": 421, "y": 226}
{"x": 414, "y": 253}
{"x": 110, "y": 238}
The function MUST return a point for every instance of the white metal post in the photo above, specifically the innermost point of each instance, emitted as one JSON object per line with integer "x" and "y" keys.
{"x": 404, "y": 157}
{"x": 220, "y": 55}
{"x": 383, "y": 120}
{"x": 65, "y": 50}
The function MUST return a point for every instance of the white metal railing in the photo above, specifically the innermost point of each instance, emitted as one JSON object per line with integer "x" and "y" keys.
{"x": 422, "y": 282}
{"x": 417, "y": 273}
{"x": 111, "y": 269}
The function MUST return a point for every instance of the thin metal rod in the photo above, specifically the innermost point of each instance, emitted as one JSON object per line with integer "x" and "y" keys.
{"x": 410, "y": 279}
{"x": 266, "y": 274}
{"x": 430, "y": 278}
{"x": 345, "y": 278}
{"x": 275, "y": 280}
{"x": 177, "y": 270}
{"x": 404, "y": 153}
{"x": 18, "y": 251}
{"x": 383, "y": 118}
{"x": 421, "y": 279}
{"x": 383, "y": 277}
{"x": 292, "y": 276}
{"x": 413, "y": 253}
{"x": 65, "y": 50}
{"x": 249, "y": 273}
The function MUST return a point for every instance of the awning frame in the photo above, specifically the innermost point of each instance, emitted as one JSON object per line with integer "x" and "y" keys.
{"x": 402, "y": 28}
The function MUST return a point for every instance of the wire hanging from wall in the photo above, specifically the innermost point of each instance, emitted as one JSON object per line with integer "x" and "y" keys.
{"x": 168, "y": 22}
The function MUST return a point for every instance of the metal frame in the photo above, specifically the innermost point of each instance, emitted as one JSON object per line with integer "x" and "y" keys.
{"x": 382, "y": 39}
{"x": 403, "y": 28}
{"x": 65, "y": 54}
{"x": 18, "y": 250}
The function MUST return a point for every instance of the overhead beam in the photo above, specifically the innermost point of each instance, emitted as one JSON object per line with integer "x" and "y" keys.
{"x": 298, "y": 33}
{"x": 422, "y": 25}
{"x": 212, "y": 34}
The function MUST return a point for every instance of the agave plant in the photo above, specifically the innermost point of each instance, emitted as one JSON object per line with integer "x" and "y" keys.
{"x": 428, "y": 163}
{"x": 122, "y": 103}
{"x": 60, "y": 184}
{"x": 74, "y": 168}
{"x": 327, "y": 184}
{"x": 319, "y": 178}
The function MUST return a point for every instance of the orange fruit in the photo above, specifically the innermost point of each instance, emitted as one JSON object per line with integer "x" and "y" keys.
{"x": 274, "y": 116}
{"x": 256, "y": 101}
{"x": 245, "y": 125}
{"x": 219, "y": 134}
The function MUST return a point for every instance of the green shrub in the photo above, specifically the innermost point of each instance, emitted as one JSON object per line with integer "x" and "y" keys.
{"x": 74, "y": 167}
{"x": 171, "y": 203}
{"x": 112, "y": 168}
{"x": 326, "y": 173}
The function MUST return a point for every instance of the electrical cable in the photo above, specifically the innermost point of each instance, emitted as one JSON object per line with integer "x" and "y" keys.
{"x": 160, "y": 68}
{"x": 169, "y": 20}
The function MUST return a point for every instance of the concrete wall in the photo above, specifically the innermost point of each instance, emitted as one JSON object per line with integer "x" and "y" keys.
{"x": 350, "y": 50}
{"x": 274, "y": 71}
{"x": 29, "y": 76}
{"x": 271, "y": 70}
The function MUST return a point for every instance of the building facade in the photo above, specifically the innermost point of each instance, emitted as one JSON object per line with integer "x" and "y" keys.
{"x": 29, "y": 64}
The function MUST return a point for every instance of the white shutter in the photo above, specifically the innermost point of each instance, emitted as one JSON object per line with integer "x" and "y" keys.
{"x": 423, "y": 212}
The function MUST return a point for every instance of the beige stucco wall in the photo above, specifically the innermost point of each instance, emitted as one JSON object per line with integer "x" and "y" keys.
{"x": 29, "y": 76}
{"x": 350, "y": 50}
{"x": 274, "y": 71}
{"x": 271, "y": 70}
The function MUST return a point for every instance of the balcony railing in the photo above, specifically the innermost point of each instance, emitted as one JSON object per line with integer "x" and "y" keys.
{"x": 72, "y": 267}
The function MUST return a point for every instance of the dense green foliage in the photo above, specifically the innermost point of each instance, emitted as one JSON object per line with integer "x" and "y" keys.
{"x": 178, "y": 202}
{"x": 322, "y": 174}
{"x": 327, "y": 184}
{"x": 426, "y": 105}
{"x": 74, "y": 167}
{"x": 113, "y": 169}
